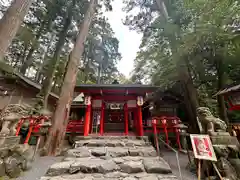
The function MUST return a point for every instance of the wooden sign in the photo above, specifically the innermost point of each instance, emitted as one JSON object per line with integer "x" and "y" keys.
{"x": 202, "y": 147}
{"x": 115, "y": 106}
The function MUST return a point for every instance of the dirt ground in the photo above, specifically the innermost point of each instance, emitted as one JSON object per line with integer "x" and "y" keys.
{"x": 170, "y": 157}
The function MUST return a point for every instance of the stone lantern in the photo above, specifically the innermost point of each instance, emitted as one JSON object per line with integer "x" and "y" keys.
{"x": 183, "y": 134}
{"x": 9, "y": 125}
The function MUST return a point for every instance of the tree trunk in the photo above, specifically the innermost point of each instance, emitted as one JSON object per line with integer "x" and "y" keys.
{"x": 190, "y": 96}
{"x": 220, "y": 82}
{"x": 47, "y": 83}
{"x": 60, "y": 117}
{"x": 11, "y": 22}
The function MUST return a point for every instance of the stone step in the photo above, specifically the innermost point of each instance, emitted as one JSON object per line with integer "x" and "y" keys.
{"x": 111, "y": 143}
{"x": 128, "y": 165}
{"x": 113, "y": 176}
{"x": 111, "y": 152}
{"x": 92, "y": 137}
{"x": 111, "y": 159}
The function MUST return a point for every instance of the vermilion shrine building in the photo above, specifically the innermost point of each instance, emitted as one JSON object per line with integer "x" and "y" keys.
{"x": 114, "y": 109}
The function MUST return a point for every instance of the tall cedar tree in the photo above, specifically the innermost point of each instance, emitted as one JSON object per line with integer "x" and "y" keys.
{"x": 60, "y": 117}
{"x": 11, "y": 22}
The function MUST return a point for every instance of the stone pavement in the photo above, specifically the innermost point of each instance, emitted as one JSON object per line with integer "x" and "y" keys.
{"x": 111, "y": 158}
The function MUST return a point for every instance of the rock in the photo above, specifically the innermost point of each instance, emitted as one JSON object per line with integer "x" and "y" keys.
{"x": 117, "y": 152}
{"x": 25, "y": 151}
{"x": 26, "y": 165}
{"x": 2, "y": 168}
{"x": 132, "y": 158}
{"x": 130, "y": 178}
{"x": 156, "y": 165}
{"x": 59, "y": 168}
{"x": 118, "y": 160}
{"x": 87, "y": 165}
{"x": 12, "y": 167}
{"x": 140, "y": 175}
{"x": 236, "y": 164}
{"x": 132, "y": 167}
{"x": 133, "y": 152}
{"x": 149, "y": 177}
{"x": 98, "y": 152}
{"x": 79, "y": 152}
{"x": 22, "y": 162}
{"x": 108, "y": 166}
{"x": 167, "y": 177}
{"x": 4, "y": 152}
{"x": 116, "y": 174}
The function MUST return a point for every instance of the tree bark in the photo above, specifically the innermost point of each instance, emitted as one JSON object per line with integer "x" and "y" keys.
{"x": 47, "y": 83}
{"x": 11, "y": 22}
{"x": 60, "y": 117}
{"x": 220, "y": 82}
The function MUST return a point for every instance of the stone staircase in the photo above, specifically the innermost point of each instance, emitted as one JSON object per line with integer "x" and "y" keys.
{"x": 111, "y": 158}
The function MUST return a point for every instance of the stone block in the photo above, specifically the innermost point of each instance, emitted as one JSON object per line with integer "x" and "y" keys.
{"x": 224, "y": 140}
{"x": 9, "y": 142}
{"x": 108, "y": 166}
{"x": 99, "y": 151}
{"x": 130, "y": 178}
{"x": 116, "y": 174}
{"x": 12, "y": 167}
{"x": 149, "y": 177}
{"x": 86, "y": 165}
{"x": 132, "y": 167}
{"x": 117, "y": 152}
{"x": 78, "y": 152}
{"x": 59, "y": 168}
{"x": 156, "y": 165}
{"x": 2, "y": 168}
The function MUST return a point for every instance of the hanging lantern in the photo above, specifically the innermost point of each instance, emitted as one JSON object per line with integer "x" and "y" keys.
{"x": 154, "y": 121}
{"x": 139, "y": 100}
{"x": 164, "y": 121}
{"x": 87, "y": 100}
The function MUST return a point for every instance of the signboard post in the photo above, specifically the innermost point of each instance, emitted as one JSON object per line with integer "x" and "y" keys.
{"x": 203, "y": 150}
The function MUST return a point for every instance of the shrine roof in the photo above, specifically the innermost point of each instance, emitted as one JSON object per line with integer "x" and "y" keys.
{"x": 227, "y": 90}
{"x": 118, "y": 88}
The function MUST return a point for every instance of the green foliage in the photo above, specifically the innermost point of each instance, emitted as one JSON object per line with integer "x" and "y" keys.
{"x": 37, "y": 40}
{"x": 199, "y": 38}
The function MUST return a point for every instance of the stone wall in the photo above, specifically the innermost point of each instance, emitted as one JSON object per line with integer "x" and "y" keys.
{"x": 14, "y": 158}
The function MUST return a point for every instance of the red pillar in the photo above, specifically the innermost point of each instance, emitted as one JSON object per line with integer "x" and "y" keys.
{"x": 140, "y": 125}
{"x": 126, "y": 118}
{"x": 136, "y": 126}
{"x": 87, "y": 120}
{"x": 102, "y": 119}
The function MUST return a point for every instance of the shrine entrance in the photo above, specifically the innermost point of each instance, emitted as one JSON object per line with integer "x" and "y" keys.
{"x": 114, "y": 118}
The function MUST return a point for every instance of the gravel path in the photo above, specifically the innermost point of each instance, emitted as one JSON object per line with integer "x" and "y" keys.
{"x": 39, "y": 168}
{"x": 170, "y": 157}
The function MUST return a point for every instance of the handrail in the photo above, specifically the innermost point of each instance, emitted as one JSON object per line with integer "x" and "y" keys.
{"x": 177, "y": 157}
{"x": 157, "y": 146}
